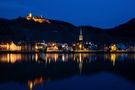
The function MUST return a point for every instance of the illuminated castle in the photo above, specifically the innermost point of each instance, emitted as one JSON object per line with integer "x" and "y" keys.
{"x": 37, "y": 19}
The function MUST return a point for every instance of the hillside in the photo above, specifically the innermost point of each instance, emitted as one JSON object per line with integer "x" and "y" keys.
{"x": 122, "y": 33}
{"x": 21, "y": 29}
{"x": 59, "y": 31}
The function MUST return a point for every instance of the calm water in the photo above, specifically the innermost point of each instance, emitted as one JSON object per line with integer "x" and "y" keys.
{"x": 67, "y": 71}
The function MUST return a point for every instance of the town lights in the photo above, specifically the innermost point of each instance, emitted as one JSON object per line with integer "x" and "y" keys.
{"x": 80, "y": 46}
{"x": 113, "y": 47}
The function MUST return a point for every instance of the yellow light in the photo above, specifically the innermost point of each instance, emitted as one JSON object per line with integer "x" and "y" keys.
{"x": 80, "y": 63}
{"x": 11, "y": 58}
{"x": 113, "y": 48}
{"x": 80, "y": 46}
{"x": 30, "y": 84}
{"x": 80, "y": 58}
{"x": 53, "y": 44}
{"x": 113, "y": 58}
{"x": 13, "y": 47}
{"x": 37, "y": 81}
{"x": 8, "y": 46}
{"x": 51, "y": 57}
{"x": 36, "y": 47}
{"x": 37, "y": 19}
{"x": 36, "y": 57}
{"x": 55, "y": 57}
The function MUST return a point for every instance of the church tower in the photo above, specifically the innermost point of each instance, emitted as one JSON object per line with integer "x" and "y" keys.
{"x": 80, "y": 40}
{"x": 30, "y": 15}
{"x": 80, "y": 36}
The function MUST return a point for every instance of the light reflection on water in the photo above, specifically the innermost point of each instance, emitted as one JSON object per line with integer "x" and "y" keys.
{"x": 79, "y": 58}
{"x": 37, "y": 81}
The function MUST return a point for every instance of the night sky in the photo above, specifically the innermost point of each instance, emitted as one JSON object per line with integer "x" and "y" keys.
{"x": 99, "y": 13}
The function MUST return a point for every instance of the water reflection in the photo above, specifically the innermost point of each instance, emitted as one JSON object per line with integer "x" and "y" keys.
{"x": 13, "y": 58}
{"x": 42, "y": 67}
{"x": 77, "y": 57}
{"x": 80, "y": 58}
{"x": 37, "y": 81}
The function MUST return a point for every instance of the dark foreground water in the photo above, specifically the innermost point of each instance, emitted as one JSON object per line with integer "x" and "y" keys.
{"x": 67, "y": 71}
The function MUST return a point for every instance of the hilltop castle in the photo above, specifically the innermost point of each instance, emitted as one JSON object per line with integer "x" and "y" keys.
{"x": 37, "y": 19}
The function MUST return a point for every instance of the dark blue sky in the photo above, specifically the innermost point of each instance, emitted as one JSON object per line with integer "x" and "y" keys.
{"x": 100, "y": 13}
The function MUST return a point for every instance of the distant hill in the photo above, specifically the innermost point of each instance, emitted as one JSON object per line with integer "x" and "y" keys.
{"x": 122, "y": 33}
{"x": 21, "y": 29}
{"x": 59, "y": 31}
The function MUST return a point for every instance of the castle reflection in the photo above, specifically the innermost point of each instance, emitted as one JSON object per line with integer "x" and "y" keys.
{"x": 37, "y": 81}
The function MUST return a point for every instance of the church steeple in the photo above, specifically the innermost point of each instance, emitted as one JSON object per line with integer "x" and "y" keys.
{"x": 30, "y": 15}
{"x": 81, "y": 36}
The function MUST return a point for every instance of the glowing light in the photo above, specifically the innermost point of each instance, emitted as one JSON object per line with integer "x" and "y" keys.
{"x": 113, "y": 47}
{"x": 63, "y": 57}
{"x": 30, "y": 85}
{"x": 36, "y": 47}
{"x": 80, "y": 58}
{"x": 10, "y": 58}
{"x": 13, "y": 46}
{"x": 80, "y": 36}
{"x": 52, "y": 47}
{"x": 37, "y": 19}
{"x": 55, "y": 57}
{"x": 37, "y": 81}
{"x": 36, "y": 57}
{"x": 30, "y": 14}
{"x": 80, "y": 46}
{"x": 113, "y": 58}
{"x": 51, "y": 57}
{"x": 8, "y": 46}
{"x": 80, "y": 63}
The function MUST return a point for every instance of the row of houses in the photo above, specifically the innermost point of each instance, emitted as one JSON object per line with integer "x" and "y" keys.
{"x": 28, "y": 46}
{"x": 52, "y": 46}
{"x": 17, "y": 46}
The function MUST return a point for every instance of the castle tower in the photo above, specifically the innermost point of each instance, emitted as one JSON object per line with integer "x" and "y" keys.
{"x": 80, "y": 36}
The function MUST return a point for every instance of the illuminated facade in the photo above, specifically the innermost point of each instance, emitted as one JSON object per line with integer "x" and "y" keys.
{"x": 52, "y": 47}
{"x": 113, "y": 47}
{"x": 17, "y": 46}
{"x": 11, "y": 46}
{"x": 36, "y": 19}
